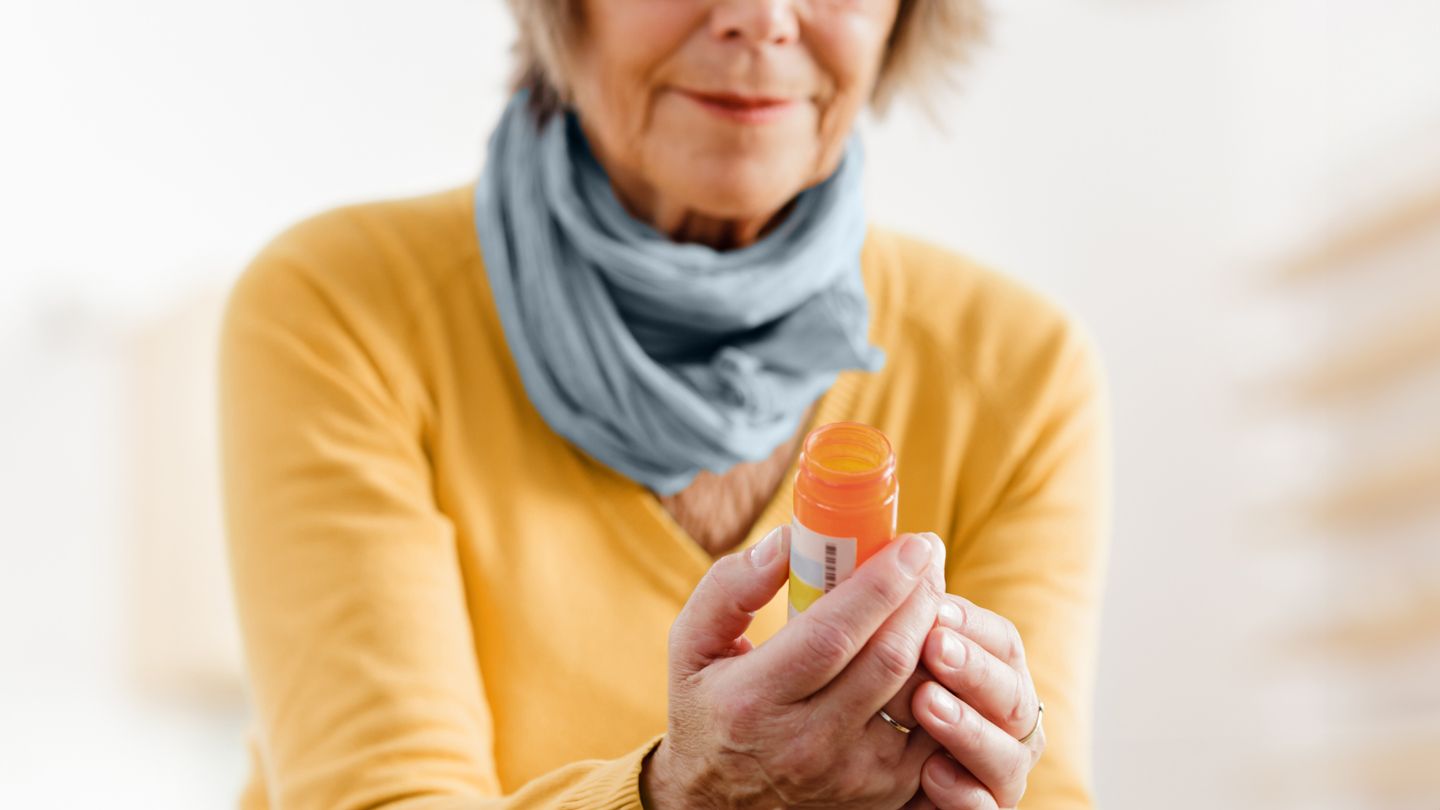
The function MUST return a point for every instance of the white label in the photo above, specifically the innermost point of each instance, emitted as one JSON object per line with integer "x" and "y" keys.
{"x": 818, "y": 563}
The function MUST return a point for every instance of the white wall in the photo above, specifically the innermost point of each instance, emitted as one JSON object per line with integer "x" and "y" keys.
{"x": 1143, "y": 162}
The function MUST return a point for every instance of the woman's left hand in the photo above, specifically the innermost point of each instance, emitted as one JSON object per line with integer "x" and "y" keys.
{"x": 980, "y": 705}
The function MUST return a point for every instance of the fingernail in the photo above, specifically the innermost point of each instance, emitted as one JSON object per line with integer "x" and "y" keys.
{"x": 939, "y": 544}
{"x": 914, "y": 555}
{"x": 951, "y": 615}
{"x": 952, "y": 649}
{"x": 945, "y": 706}
{"x": 943, "y": 773}
{"x": 766, "y": 550}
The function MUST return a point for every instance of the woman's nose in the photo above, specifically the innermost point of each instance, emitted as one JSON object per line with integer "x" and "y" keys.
{"x": 759, "y": 22}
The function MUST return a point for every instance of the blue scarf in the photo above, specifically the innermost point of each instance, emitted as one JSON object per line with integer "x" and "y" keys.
{"x": 657, "y": 358}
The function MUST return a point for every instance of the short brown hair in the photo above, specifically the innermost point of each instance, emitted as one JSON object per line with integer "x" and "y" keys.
{"x": 931, "y": 41}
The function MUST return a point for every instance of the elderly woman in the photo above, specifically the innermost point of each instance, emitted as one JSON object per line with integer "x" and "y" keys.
{"x": 504, "y": 464}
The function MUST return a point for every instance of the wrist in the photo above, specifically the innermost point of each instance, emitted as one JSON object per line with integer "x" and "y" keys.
{"x": 659, "y": 788}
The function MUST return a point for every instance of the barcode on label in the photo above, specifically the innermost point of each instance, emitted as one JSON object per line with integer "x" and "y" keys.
{"x": 818, "y": 564}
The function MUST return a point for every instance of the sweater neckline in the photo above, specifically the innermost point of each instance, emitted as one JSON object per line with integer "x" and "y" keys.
{"x": 672, "y": 556}
{"x": 833, "y": 405}
{"x": 668, "y": 554}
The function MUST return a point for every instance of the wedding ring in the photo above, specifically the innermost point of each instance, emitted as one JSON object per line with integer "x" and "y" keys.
{"x": 1038, "y": 715}
{"x": 895, "y": 724}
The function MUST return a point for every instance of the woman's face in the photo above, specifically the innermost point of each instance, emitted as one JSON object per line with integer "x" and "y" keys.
{"x": 726, "y": 107}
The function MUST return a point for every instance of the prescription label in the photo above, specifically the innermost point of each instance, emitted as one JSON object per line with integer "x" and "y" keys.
{"x": 818, "y": 563}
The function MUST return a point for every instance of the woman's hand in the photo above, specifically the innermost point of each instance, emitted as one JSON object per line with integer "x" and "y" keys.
{"x": 794, "y": 722}
{"x": 976, "y": 656}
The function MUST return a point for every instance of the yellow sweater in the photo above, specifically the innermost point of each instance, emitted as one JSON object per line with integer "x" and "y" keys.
{"x": 446, "y": 605}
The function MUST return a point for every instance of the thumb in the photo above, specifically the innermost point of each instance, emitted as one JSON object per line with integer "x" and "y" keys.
{"x": 714, "y": 619}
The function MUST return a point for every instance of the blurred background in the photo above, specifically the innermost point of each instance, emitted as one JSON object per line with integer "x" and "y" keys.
{"x": 1241, "y": 198}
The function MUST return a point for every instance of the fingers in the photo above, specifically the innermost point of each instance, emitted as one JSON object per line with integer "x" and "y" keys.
{"x": 885, "y": 666}
{"x": 713, "y": 622}
{"x": 883, "y": 671}
{"x": 898, "y": 707}
{"x": 999, "y": 691}
{"x": 988, "y": 629}
{"x": 816, "y": 645}
{"x": 990, "y": 754}
{"x": 902, "y": 753}
{"x": 950, "y": 787}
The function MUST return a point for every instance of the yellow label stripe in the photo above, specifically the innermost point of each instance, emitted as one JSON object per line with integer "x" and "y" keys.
{"x": 802, "y": 593}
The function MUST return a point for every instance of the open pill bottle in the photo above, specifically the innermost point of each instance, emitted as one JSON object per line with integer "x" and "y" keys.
{"x": 846, "y": 495}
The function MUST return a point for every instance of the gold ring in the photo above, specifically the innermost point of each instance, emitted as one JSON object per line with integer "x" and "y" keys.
{"x": 895, "y": 724}
{"x": 1038, "y": 714}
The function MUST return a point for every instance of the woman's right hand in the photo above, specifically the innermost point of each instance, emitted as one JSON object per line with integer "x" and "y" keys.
{"x": 794, "y": 722}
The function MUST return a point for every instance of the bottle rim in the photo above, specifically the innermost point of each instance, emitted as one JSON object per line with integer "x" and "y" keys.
{"x": 878, "y": 461}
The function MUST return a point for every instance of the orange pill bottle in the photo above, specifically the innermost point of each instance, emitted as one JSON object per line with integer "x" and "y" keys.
{"x": 846, "y": 495}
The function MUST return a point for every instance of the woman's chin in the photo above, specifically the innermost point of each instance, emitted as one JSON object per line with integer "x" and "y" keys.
{"x": 732, "y": 198}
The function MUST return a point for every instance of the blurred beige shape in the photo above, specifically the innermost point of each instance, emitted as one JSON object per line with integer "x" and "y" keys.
{"x": 182, "y": 630}
{"x": 1356, "y": 662}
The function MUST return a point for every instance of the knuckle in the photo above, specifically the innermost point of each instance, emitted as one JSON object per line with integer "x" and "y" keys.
{"x": 1037, "y": 746}
{"x": 969, "y": 732}
{"x": 1013, "y": 790}
{"x": 1015, "y": 777}
{"x": 888, "y": 759}
{"x": 737, "y": 707}
{"x": 895, "y": 655}
{"x": 828, "y": 641}
{"x": 1014, "y": 648}
{"x": 1020, "y": 709}
{"x": 850, "y": 784}
{"x": 933, "y": 590}
{"x": 972, "y": 797}
{"x": 885, "y": 593}
{"x": 722, "y": 575}
{"x": 802, "y": 766}
{"x": 959, "y": 795}
{"x": 1018, "y": 771}
{"x": 706, "y": 583}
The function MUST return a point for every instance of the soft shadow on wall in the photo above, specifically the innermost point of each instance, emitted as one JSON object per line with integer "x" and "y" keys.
{"x": 1347, "y": 495}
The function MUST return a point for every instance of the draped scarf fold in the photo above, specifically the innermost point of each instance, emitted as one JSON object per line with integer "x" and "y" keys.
{"x": 657, "y": 358}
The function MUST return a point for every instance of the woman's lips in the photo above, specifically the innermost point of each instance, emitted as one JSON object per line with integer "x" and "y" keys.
{"x": 742, "y": 109}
